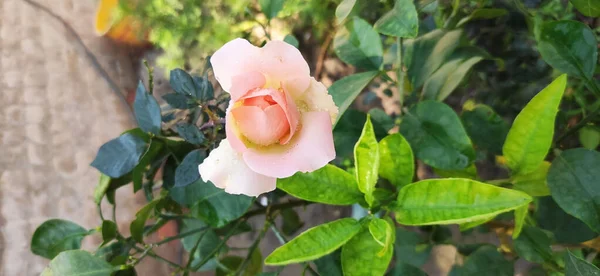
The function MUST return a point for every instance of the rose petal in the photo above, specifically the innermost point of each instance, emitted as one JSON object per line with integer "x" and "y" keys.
{"x": 232, "y": 131}
{"x": 245, "y": 82}
{"x": 226, "y": 169}
{"x": 316, "y": 98}
{"x": 282, "y": 62}
{"x": 310, "y": 149}
{"x": 262, "y": 127}
{"x": 235, "y": 58}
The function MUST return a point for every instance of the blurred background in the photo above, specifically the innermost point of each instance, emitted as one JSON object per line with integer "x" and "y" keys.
{"x": 69, "y": 68}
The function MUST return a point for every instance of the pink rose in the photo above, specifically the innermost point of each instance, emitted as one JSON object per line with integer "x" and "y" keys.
{"x": 278, "y": 122}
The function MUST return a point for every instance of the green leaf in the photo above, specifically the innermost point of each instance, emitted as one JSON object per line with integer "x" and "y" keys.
{"x": 589, "y": 137}
{"x": 137, "y": 225}
{"x": 344, "y": 9}
{"x": 530, "y": 136}
{"x": 359, "y": 45}
{"x": 486, "y": 260}
{"x": 101, "y": 188}
{"x": 109, "y": 231}
{"x": 425, "y": 54}
{"x": 348, "y": 130}
{"x": 589, "y": 8}
{"x": 329, "y": 185}
{"x": 469, "y": 172}
{"x": 209, "y": 240}
{"x": 291, "y": 222}
{"x": 482, "y": 14}
{"x": 468, "y": 225}
{"x": 573, "y": 181}
{"x": 187, "y": 172}
{"x": 455, "y": 200}
{"x": 383, "y": 233}
{"x": 78, "y": 263}
{"x": 345, "y": 90}
{"x": 233, "y": 263}
{"x": 366, "y": 161}
{"x": 520, "y": 216}
{"x": 534, "y": 245}
{"x": 436, "y": 134}
{"x": 292, "y": 40}
{"x": 147, "y": 110}
{"x": 55, "y": 236}
{"x": 401, "y": 21}
{"x": 190, "y": 133}
{"x": 363, "y": 255}
{"x": 175, "y": 100}
{"x": 396, "y": 163}
{"x": 271, "y": 7}
{"x": 533, "y": 183}
{"x": 570, "y": 47}
{"x": 120, "y": 155}
{"x": 315, "y": 242}
{"x": 486, "y": 128}
{"x": 403, "y": 269}
{"x": 330, "y": 265}
{"x": 155, "y": 149}
{"x": 182, "y": 82}
{"x": 381, "y": 118}
{"x": 410, "y": 248}
{"x": 575, "y": 266}
{"x": 216, "y": 207}
{"x": 450, "y": 74}
{"x": 203, "y": 89}
{"x": 564, "y": 227}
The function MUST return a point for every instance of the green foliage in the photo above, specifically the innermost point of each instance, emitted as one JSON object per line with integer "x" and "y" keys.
{"x": 365, "y": 255}
{"x": 448, "y": 76}
{"x": 147, "y": 111}
{"x": 216, "y": 207}
{"x": 564, "y": 227}
{"x": 401, "y": 21}
{"x": 271, "y": 7}
{"x": 358, "y": 44}
{"x": 485, "y": 260}
{"x": 396, "y": 161}
{"x": 345, "y": 90}
{"x": 486, "y": 128}
{"x": 120, "y": 155}
{"x": 78, "y": 262}
{"x": 55, "y": 236}
{"x": 187, "y": 172}
{"x": 575, "y": 266}
{"x": 366, "y": 158}
{"x": 589, "y": 8}
{"x": 534, "y": 245}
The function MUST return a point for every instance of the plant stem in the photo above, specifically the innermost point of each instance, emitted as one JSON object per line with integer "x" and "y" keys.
{"x": 150, "y": 77}
{"x": 157, "y": 257}
{"x": 182, "y": 235}
{"x": 277, "y": 207}
{"x": 254, "y": 245}
{"x": 99, "y": 208}
{"x": 221, "y": 244}
{"x": 400, "y": 74}
{"x": 192, "y": 252}
{"x": 579, "y": 125}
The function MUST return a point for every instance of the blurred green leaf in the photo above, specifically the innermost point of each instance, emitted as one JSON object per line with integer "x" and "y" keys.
{"x": 359, "y": 45}
{"x": 469, "y": 172}
{"x": 101, "y": 188}
{"x": 345, "y": 90}
{"x": 570, "y": 47}
{"x": 534, "y": 245}
{"x": 203, "y": 89}
{"x": 403, "y": 269}
{"x": 109, "y": 231}
{"x": 291, "y": 39}
{"x": 187, "y": 172}
{"x": 589, "y": 137}
{"x": 520, "y": 216}
{"x": 271, "y": 7}
{"x": 182, "y": 82}
{"x": 335, "y": 186}
{"x": 484, "y": 13}
{"x": 315, "y": 242}
{"x": 579, "y": 267}
{"x": 366, "y": 161}
{"x": 55, "y": 236}
{"x": 291, "y": 222}
{"x": 175, "y": 100}
{"x": 233, "y": 263}
{"x": 137, "y": 225}
{"x": 484, "y": 261}
{"x": 589, "y": 8}
{"x": 450, "y": 201}
{"x": 119, "y": 156}
{"x": 437, "y": 136}
{"x": 564, "y": 227}
{"x": 147, "y": 110}
{"x": 208, "y": 241}
{"x": 530, "y": 136}
{"x": 401, "y": 21}
{"x": 363, "y": 255}
{"x": 410, "y": 248}
{"x": 78, "y": 262}
{"x": 330, "y": 265}
{"x": 344, "y": 9}
{"x": 155, "y": 149}
{"x": 216, "y": 207}
{"x": 573, "y": 181}
{"x": 397, "y": 162}
{"x": 533, "y": 183}
{"x": 425, "y": 54}
{"x": 378, "y": 116}
{"x": 486, "y": 128}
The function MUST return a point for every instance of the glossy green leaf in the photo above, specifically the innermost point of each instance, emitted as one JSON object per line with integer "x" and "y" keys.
{"x": 154, "y": 150}
{"x": 363, "y": 255}
{"x": 190, "y": 133}
{"x": 573, "y": 181}
{"x": 330, "y": 265}
{"x": 455, "y": 200}
{"x": 137, "y": 225}
{"x": 344, "y": 9}
{"x": 216, "y": 207}
{"x": 78, "y": 263}
{"x": 359, "y": 45}
{"x": 520, "y": 216}
{"x": 397, "y": 162}
{"x": 187, "y": 172}
{"x": 345, "y": 90}
{"x": 147, "y": 110}
{"x": 425, "y": 54}
{"x": 570, "y": 47}
{"x": 486, "y": 128}
{"x": 589, "y": 8}
{"x": 530, "y": 136}
{"x": 485, "y": 13}
{"x": 574, "y": 266}
{"x": 410, "y": 248}
{"x": 109, "y": 231}
{"x": 533, "y": 183}
{"x": 176, "y": 100}
{"x": 450, "y": 74}
{"x": 383, "y": 233}
{"x": 565, "y": 228}
{"x": 203, "y": 89}
{"x": 315, "y": 242}
{"x": 292, "y": 40}
{"x": 120, "y": 155}
{"x": 486, "y": 260}
{"x": 182, "y": 82}
{"x": 401, "y": 21}
{"x": 55, "y": 236}
{"x": 101, "y": 188}
{"x": 589, "y": 137}
{"x": 472, "y": 224}
{"x": 366, "y": 161}
{"x": 534, "y": 245}
{"x": 329, "y": 185}
{"x": 271, "y": 7}
{"x": 437, "y": 136}
{"x": 348, "y": 130}
{"x": 469, "y": 172}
